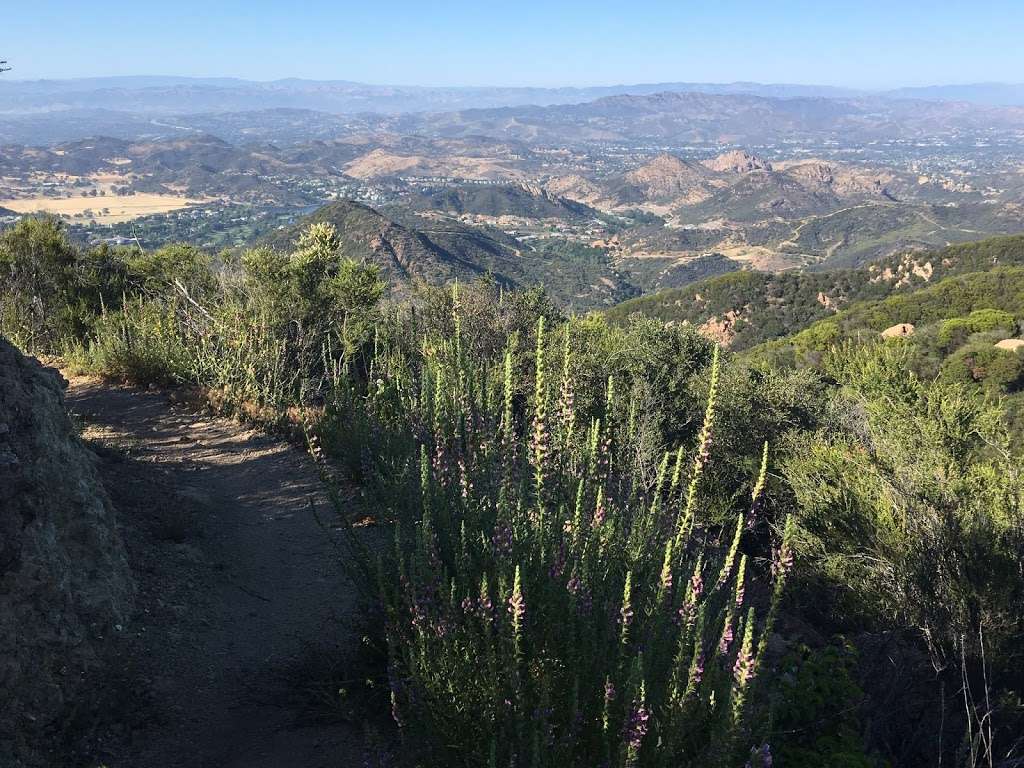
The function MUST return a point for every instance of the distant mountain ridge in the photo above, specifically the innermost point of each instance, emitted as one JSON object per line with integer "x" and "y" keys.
{"x": 993, "y": 94}
{"x": 183, "y": 95}
{"x": 683, "y": 113}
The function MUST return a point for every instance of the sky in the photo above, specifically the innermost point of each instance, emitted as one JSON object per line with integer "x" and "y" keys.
{"x": 867, "y": 44}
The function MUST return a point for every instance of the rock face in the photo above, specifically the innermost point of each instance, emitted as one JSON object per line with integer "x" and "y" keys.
{"x": 1011, "y": 345}
{"x": 64, "y": 580}
{"x": 737, "y": 161}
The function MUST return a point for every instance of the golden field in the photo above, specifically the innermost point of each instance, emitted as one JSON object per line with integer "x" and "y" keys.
{"x": 108, "y": 209}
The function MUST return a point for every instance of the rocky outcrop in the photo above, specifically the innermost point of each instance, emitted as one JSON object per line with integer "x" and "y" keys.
{"x": 65, "y": 585}
{"x": 1011, "y": 345}
{"x": 575, "y": 187}
{"x": 847, "y": 181}
{"x": 898, "y": 331}
{"x": 737, "y": 161}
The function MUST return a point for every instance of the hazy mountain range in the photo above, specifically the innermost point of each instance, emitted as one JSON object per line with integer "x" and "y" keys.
{"x": 182, "y": 95}
{"x": 665, "y": 117}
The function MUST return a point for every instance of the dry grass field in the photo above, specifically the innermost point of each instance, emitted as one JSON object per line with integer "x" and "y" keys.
{"x": 108, "y": 209}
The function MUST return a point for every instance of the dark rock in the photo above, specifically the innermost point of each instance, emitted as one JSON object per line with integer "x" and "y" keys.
{"x": 64, "y": 579}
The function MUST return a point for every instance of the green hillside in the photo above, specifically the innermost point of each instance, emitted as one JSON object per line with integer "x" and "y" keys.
{"x": 964, "y": 330}
{"x": 500, "y": 200}
{"x": 769, "y": 306}
{"x": 1001, "y": 288}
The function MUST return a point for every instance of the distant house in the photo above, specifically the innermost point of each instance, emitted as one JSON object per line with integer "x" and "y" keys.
{"x": 115, "y": 240}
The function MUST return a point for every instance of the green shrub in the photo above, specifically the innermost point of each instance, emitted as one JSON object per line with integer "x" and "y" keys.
{"x": 997, "y": 370}
{"x": 911, "y": 506}
{"x": 955, "y": 331}
{"x": 39, "y": 306}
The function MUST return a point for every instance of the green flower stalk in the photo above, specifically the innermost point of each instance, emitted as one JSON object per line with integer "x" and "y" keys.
{"x": 762, "y": 475}
{"x": 743, "y": 670}
{"x": 755, "y": 497}
{"x": 517, "y": 609}
{"x": 677, "y": 472}
{"x": 665, "y": 579}
{"x": 730, "y": 558}
{"x": 741, "y": 587}
{"x": 507, "y": 426}
{"x": 424, "y": 479}
{"x": 781, "y": 567}
{"x": 599, "y": 510}
{"x": 566, "y": 403}
{"x": 459, "y": 360}
{"x": 636, "y": 726}
{"x": 626, "y": 612}
{"x": 695, "y": 673}
{"x": 609, "y": 697}
{"x": 539, "y": 447}
{"x": 700, "y": 460}
{"x": 725, "y": 641}
{"x": 659, "y": 483}
{"x": 694, "y": 590}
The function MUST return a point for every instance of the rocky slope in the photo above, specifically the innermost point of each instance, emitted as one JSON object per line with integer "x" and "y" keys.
{"x": 737, "y": 161}
{"x": 65, "y": 585}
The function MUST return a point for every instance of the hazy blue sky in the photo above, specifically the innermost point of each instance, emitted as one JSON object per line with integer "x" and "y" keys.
{"x": 872, "y": 43}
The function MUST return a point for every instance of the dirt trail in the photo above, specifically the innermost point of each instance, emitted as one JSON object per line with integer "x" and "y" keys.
{"x": 242, "y": 601}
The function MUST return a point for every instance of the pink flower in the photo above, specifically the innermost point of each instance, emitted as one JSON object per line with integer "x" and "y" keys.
{"x": 726, "y": 641}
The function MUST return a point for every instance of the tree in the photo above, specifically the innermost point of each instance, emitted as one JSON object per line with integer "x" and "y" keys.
{"x": 37, "y": 270}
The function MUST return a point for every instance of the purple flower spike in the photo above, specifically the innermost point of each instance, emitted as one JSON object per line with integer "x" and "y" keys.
{"x": 636, "y": 727}
{"x": 698, "y": 669}
{"x": 726, "y": 641}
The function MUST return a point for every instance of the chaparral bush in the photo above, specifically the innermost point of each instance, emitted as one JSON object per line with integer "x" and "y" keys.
{"x": 545, "y": 601}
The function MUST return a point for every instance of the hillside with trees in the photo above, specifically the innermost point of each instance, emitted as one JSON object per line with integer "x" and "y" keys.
{"x": 761, "y": 306}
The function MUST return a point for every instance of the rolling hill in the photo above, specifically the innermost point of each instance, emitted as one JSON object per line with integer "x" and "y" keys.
{"x": 1000, "y": 288}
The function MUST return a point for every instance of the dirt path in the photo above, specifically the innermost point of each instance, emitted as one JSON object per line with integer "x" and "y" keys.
{"x": 242, "y": 606}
